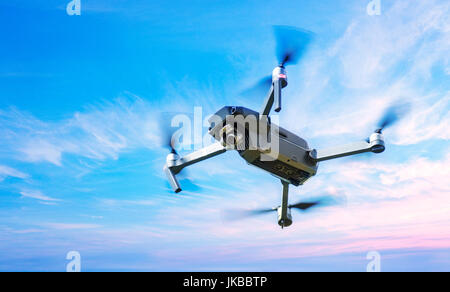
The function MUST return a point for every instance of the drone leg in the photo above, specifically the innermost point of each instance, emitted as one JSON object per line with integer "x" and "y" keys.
{"x": 284, "y": 213}
{"x": 277, "y": 95}
{"x": 284, "y": 202}
{"x": 172, "y": 179}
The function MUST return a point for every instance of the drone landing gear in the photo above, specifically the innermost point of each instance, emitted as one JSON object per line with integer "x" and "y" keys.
{"x": 284, "y": 212}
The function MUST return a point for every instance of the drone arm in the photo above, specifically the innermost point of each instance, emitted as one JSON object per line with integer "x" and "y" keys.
{"x": 268, "y": 103}
{"x": 375, "y": 145}
{"x": 274, "y": 96}
{"x": 200, "y": 155}
{"x": 175, "y": 166}
{"x": 342, "y": 151}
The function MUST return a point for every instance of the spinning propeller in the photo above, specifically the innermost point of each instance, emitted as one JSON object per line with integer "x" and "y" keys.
{"x": 300, "y": 206}
{"x": 292, "y": 43}
{"x": 392, "y": 115}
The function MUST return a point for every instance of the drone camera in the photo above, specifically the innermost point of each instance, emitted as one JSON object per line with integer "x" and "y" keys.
{"x": 227, "y": 136}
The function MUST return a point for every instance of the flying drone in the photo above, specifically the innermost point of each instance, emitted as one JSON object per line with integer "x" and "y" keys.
{"x": 294, "y": 162}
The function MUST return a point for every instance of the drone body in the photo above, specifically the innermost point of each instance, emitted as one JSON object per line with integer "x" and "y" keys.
{"x": 269, "y": 147}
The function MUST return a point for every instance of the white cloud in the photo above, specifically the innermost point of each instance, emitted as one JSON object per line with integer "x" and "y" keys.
{"x": 425, "y": 123}
{"x": 372, "y": 48}
{"x": 6, "y": 171}
{"x": 27, "y": 231}
{"x": 70, "y": 226}
{"x": 121, "y": 203}
{"x": 98, "y": 132}
{"x": 376, "y": 62}
{"x": 384, "y": 181}
{"x": 38, "y": 195}
{"x": 40, "y": 150}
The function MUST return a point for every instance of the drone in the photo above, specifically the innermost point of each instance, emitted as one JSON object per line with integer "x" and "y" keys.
{"x": 293, "y": 162}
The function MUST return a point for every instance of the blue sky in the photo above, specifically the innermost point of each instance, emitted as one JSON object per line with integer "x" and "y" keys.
{"x": 81, "y": 157}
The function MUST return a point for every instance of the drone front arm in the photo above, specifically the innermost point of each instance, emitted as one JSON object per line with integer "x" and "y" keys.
{"x": 375, "y": 145}
{"x": 175, "y": 165}
{"x": 268, "y": 103}
{"x": 274, "y": 96}
{"x": 200, "y": 155}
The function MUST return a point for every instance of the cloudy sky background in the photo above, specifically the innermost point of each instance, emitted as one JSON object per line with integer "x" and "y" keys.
{"x": 81, "y": 157}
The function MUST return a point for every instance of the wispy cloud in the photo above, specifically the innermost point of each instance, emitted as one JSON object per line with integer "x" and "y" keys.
{"x": 97, "y": 133}
{"x": 70, "y": 226}
{"x": 114, "y": 202}
{"x": 6, "y": 171}
{"x": 38, "y": 195}
{"x": 27, "y": 231}
{"x": 426, "y": 122}
{"x": 378, "y": 61}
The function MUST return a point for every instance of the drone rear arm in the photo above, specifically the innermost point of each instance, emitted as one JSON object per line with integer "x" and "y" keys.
{"x": 341, "y": 151}
{"x": 375, "y": 145}
{"x": 175, "y": 165}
